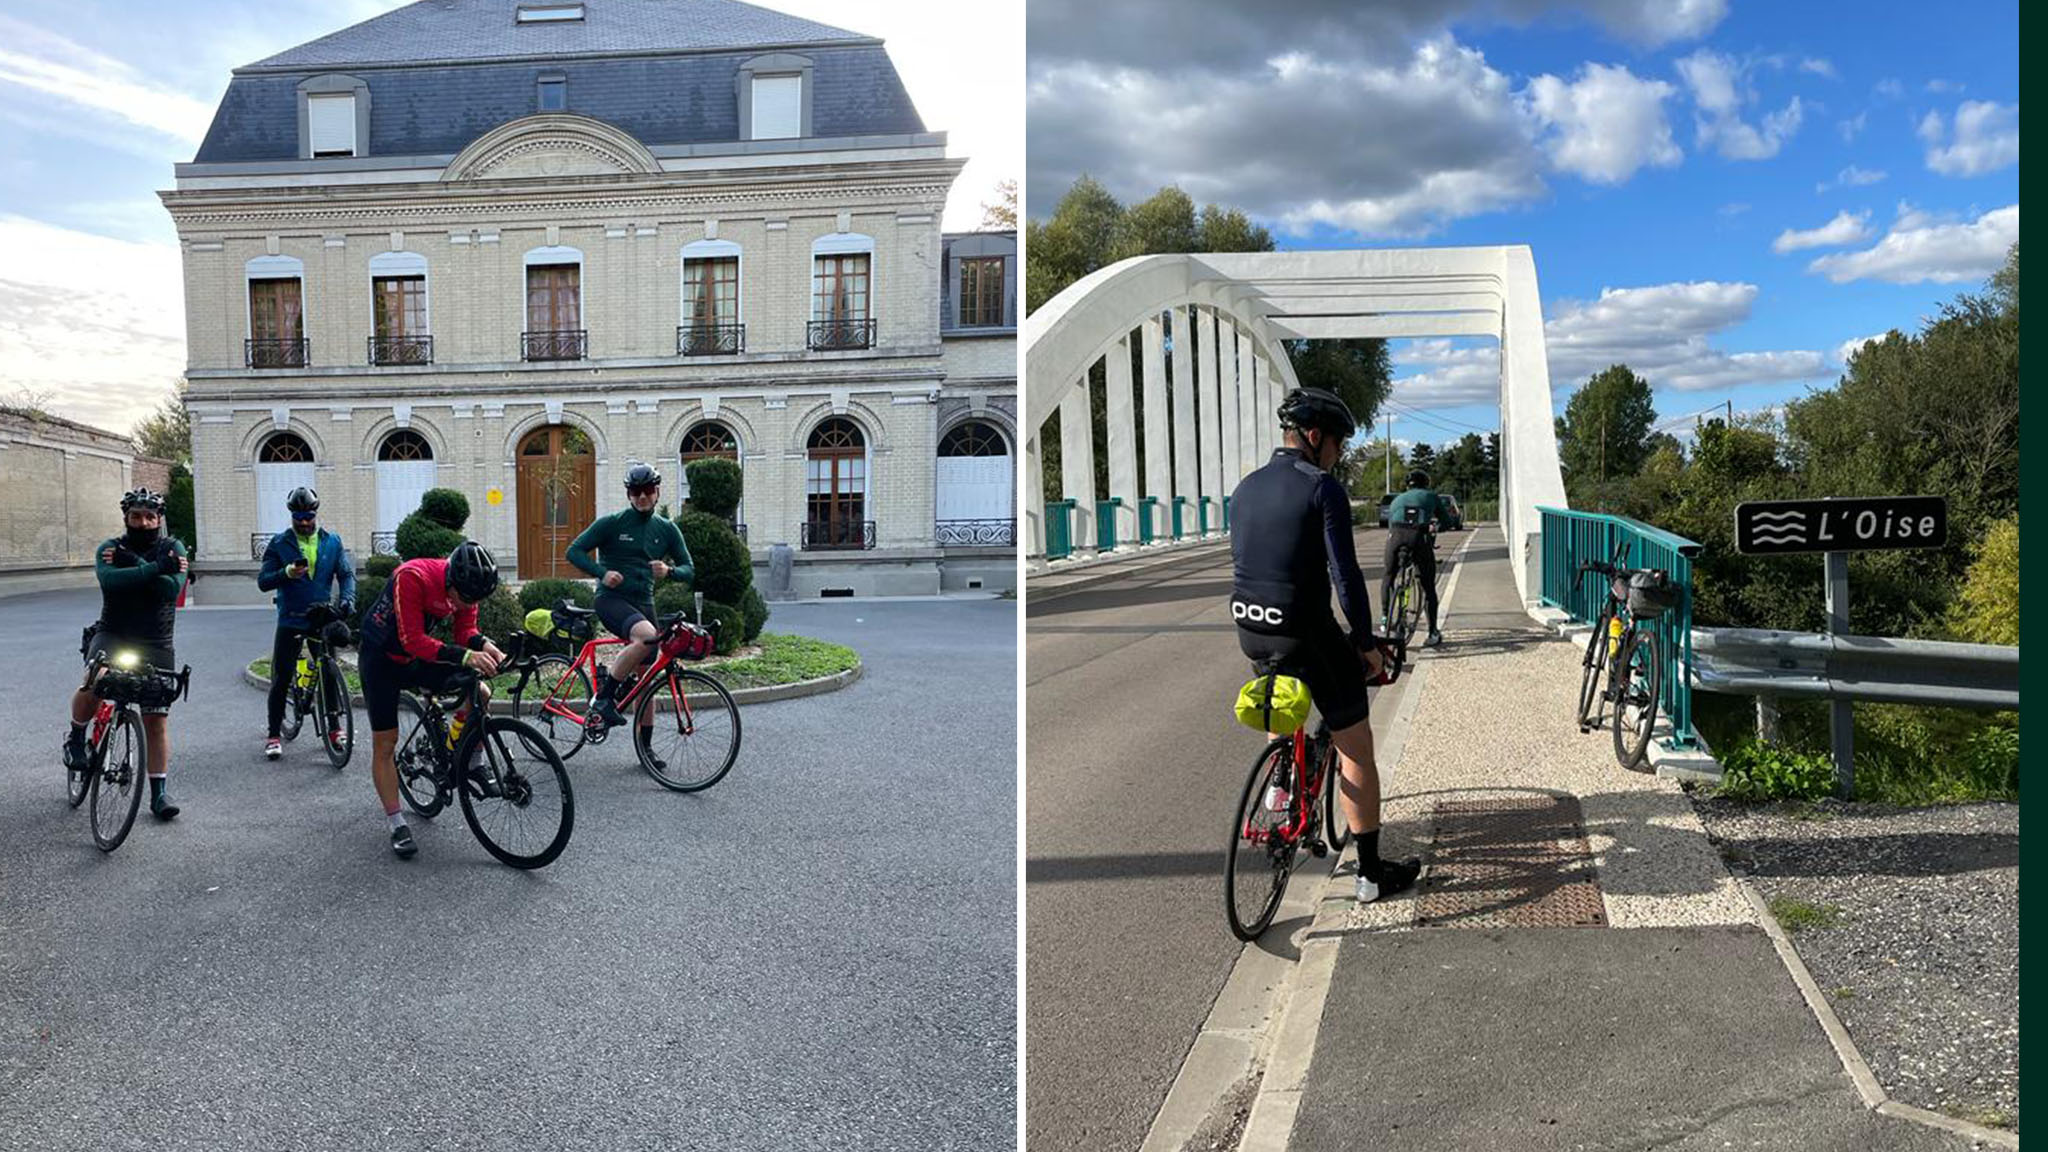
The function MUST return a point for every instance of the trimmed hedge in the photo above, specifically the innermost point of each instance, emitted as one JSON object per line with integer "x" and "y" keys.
{"x": 755, "y": 611}
{"x": 725, "y": 570}
{"x": 380, "y": 566}
{"x": 367, "y": 588}
{"x": 714, "y": 487}
{"x": 729, "y": 623}
{"x": 547, "y": 593}
{"x": 446, "y": 507}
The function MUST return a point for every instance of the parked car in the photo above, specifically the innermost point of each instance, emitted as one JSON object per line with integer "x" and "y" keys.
{"x": 1454, "y": 517}
{"x": 1385, "y": 500}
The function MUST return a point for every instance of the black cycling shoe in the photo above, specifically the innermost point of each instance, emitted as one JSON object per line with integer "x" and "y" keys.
{"x": 162, "y": 806}
{"x": 76, "y": 756}
{"x": 1393, "y": 878}
{"x": 1435, "y": 638}
{"x": 608, "y": 712}
{"x": 402, "y": 843}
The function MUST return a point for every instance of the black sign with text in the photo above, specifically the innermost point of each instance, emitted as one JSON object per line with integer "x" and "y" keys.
{"x": 1848, "y": 524}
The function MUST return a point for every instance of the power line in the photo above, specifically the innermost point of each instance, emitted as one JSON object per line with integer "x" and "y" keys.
{"x": 1440, "y": 423}
{"x": 1413, "y": 411}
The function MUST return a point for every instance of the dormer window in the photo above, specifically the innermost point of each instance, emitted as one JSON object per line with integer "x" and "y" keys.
{"x": 332, "y": 122}
{"x": 552, "y": 94}
{"x": 775, "y": 97}
{"x": 334, "y": 117}
{"x": 549, "y": 13}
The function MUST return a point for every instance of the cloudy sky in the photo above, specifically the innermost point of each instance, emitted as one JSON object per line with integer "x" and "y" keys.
{"x": 99, "y": 98}
{"x": 1724, "y": 194}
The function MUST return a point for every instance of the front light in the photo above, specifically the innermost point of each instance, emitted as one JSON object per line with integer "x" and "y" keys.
{"x": 127, "y": 659}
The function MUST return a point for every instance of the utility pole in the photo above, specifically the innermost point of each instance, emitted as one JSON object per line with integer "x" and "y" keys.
{"x": 1731, "y": 412}
{"x": 1390, "y": 453}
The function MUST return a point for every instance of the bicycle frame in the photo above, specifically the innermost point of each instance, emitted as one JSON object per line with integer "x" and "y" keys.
{"x": 586, "y": 660}
{"x": 1308, "y": 790}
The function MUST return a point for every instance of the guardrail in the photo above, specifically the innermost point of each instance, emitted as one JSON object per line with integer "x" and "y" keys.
{"x": 1571, "y": 538}
{"x": 1878, "y": 669}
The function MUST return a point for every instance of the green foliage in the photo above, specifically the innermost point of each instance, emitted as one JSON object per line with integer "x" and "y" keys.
{"x": 1796, "y": 915}
{"x": 1987, "y": 609}
{"x": 729, "y": 624}
{"x": 419, "y": 536}
{"x": 179, "y": 520}
{"x": 1605, "y": 430}
{"x": 786, "y": 659}
{"x": 714, "y": 487}
{"x": 1360, "y": 372}
{"x": 1915, "y": 756}
{"x": 1760, "y": 771}
{"x": 500, "y": 616}
{"x": 755, "y": 610}
{"x": 167, "y": 432}
{"x": 547, "y": 593}
{"x": 671, "y": 598}
{"x": 446, "y": 507}
{"x": 380, "y": 565}
{"x": 725, "y": 570}
{"x": 367, "y": 589}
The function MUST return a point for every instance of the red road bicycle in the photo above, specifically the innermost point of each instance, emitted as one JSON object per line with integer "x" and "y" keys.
{"x": 686, "y": 727}
{"x": 1289, "y": 801}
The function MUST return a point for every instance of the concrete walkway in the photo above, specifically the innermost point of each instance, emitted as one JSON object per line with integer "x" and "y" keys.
{"x": 1672, "y": 1025}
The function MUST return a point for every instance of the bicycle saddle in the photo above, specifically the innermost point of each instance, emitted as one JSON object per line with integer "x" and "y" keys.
{"x": 569, "y": 609}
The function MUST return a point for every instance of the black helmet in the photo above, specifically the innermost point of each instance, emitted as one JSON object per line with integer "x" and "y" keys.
{"x": 471, "y": 571}
{"x": 303, "y": 500}
{"x": 642, "y": 476}
{"x": 142, "y": 498}
{"x": 1306, "y": 408}
{"x": 1417, "y": 478}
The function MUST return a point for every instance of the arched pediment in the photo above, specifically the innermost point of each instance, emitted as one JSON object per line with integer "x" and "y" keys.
{"x": 552, "y": 144}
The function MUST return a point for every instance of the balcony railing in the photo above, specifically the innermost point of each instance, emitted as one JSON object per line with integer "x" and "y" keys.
{"x": 383, "y": 543}
{"x": 259, "y": 542}
{"x": 976, "y": 533}
{"x": 840, "y": 335}
{"x": 827, "y": 535}
{"x": 711, "y": 339}
{"x": 386, "y": 351}
{"x": 565, "y": 344}
{"x": 277, "y": 353}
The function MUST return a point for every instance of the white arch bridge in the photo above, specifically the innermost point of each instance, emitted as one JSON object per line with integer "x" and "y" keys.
{"x": 1196, "y": 339}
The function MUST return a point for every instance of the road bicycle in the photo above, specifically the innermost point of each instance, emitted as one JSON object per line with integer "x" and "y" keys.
{"x": 1625, "y": 651}
{"x": 117, "y": 766}
{"x": 319, "y": 690}
{"x": 509, "y": 779}
{"x": 1405, "y": 603}
{"x": 686, "y": 727}
{"x": 1289, "y": 802}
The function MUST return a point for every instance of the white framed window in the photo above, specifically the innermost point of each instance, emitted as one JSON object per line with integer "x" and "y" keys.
{"x": 331, "y": 122}
{"x": 778, "y": 107}
{"x": 549, "y": 13}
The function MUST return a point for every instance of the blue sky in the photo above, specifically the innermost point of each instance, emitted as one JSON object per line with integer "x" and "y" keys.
{"x": 1720, "y": 193}
{"x": 99, "y": 98}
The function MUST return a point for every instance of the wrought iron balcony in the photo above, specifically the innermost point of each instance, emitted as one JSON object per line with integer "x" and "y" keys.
{"x": 563, "y": 344}
{"x": 828, "y": 535}
{"x": 840, "y": 335}
{"x": 383, "y": 543}
{"x": 711, "y": 339}
{"x": 259, "y": 542}
{"x": 386, "y": 351}
{"x": 277, "y": 353}
{"x": 976, "y": 533}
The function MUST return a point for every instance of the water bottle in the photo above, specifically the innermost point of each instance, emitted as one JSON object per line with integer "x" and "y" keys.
{"x": 305, "y": 673}
{"x": 1277, "y": 796}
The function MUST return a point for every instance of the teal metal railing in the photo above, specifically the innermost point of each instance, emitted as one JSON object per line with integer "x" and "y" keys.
{"x": 1148, "y": 506}
{"x": 1180, "y": 515}
{"x": 1571, "y": 538}
{"x": 1205, "y": 502}
{"x": 1059, "y": 529}
{"x": 1105, "y": 523}
{"x": 1226, "y": 513}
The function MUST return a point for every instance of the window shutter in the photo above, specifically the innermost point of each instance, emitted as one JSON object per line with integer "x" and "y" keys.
{"x": 331, "y": 120}
{"x": 778, "y": 107}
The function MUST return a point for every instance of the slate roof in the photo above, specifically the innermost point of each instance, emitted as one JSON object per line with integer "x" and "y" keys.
{"x": 440, "y": 30}
{"x": 665, "y": 71}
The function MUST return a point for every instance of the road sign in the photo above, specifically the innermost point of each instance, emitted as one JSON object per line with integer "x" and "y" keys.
{"x": 1849, "y": 524}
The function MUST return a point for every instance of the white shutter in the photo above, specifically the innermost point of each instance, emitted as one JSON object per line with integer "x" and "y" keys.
{"x": 974, "y": 488}
{"x": 778, "y": 107}
{"x": 400, "y": 484}
{"x": 331, "y": 120}
{"x": 274, "y": 482}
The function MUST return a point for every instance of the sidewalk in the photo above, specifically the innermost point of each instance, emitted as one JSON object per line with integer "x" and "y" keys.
{"x": 1577, "y": 970}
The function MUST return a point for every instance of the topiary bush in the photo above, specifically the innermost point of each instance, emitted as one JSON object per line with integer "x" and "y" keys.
{"x": 755, "y": 611}
{"x": 419, "y": 536}
{"x": 178, "y": 515}
{"x": 714, "y": 487}
{"x": 548, "y": 593}
{"x": 367, "y": 588}
{"x": 725, "y": 570}
{"x": 671, "y": 597}
{"x": 730, "y": 625}
{"x": 446, "y": 507}
{"x": 500, "y": 616}
{"x": 380, "y": 565}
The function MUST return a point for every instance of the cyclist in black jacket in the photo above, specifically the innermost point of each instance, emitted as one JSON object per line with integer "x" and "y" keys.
{"x": 140, "y": 575}
{"x": 1290, "y": 544}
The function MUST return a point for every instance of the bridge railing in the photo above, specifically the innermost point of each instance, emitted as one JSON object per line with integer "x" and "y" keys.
{"x": 1571, "y": 538}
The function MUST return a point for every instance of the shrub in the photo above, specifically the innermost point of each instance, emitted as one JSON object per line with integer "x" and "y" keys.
{"x": 420, "y": 536}
{"x": 499, "y": 616}
{"x": 714, "y": 487}
{"x": 725, "y": 570}
{"x": 178, "y": 517}
{"x": 367, "y": 588}
{"x": 547, "y": 593}
{"x": 1987, "y": 610}
{"x": 671, "y": 597}
{"x": 1760, "y": 771}
{"x": 380, "y": 565}
{"x": 446, "y": 507}
{"x": 731, "y": 626}
{"x": 755, "y": 610}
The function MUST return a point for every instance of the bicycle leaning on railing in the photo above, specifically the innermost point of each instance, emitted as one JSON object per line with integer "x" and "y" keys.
{"x": 117, "y": 765}
{"x": 319, "y": 690}
{"x": 1623, "y": 650}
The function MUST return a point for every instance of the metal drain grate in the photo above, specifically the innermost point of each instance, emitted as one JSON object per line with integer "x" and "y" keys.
{"x": 1519, "y": 862}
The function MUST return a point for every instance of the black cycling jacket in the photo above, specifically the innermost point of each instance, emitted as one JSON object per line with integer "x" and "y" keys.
{"x": 1290, "y": 543}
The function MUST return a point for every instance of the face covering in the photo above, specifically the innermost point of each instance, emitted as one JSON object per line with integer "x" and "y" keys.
{"x": 142, "y": 539}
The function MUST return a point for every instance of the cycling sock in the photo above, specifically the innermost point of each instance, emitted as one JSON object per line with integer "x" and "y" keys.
{"x": 156, "y": 788}
{"x": 1368, "y": 853}
{"x": 397, "y": 819}
{"x": 77, "y": 728}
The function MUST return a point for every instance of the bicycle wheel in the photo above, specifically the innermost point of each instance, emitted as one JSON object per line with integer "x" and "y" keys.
{"x": 555, "y": 699}
{"x": 1261, "y": 855}
{"x": 1639, "y": 680}
{"x": 117, "y": 781}
{"x": 1593, "y": 666}
{"x": 1337, "y": 830}
{"x": 77, "y": 783}
{"x": 1411, "y": 603}
{"x": 341, "y": 721}
{"x": 694, "y": 736}
{"x": 515, "y": 794}
{"x": 419, "y": 744}
{"x": 1397, "y": 608}
{"x": 295, "y": 707}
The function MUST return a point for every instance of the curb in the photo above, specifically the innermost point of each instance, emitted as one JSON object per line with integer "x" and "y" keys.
{"x": 767, "y": 694}
{"x": 1858, "y": 1069}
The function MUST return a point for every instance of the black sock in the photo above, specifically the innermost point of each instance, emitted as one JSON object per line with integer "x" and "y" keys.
{"x": 77, "y": 728}
{"x": 1368, "y": 853}
{"x": 156, "y": 787}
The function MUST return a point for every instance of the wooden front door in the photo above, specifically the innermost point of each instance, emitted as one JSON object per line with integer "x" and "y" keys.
{"x": 557, "y": 499}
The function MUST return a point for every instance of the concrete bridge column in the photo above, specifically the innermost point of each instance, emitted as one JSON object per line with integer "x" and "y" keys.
{"x": 1232, "y": 411}
{"x": 1262, "y": 410}
{"x": 1123, "y": 441}
{"x": 1034, "y": 495}
{"x": 1186, "y": 476}
{"x": 1158, "y": 457}
{"x": 1207, "y": 367}
{"x": 1247, "y": 404}
{"x": 1077, "y": 463}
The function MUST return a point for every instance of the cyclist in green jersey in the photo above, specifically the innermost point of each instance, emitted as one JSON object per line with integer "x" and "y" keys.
{"x": 1409, "y": 519}
{"x": 627, "y": 552}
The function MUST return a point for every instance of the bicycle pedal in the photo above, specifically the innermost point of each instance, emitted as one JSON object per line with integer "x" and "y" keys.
{"x": 1318, "y": 849}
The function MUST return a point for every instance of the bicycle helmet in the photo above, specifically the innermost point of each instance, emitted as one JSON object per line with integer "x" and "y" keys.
{"x": 472, "y": 573}
{"x": 142, "y": 498}
{"x": 642, "y": 476}
{"x": 1417, "y": 478}
{"x": 1306, "y": 408}
{"x": 302, "y": 500}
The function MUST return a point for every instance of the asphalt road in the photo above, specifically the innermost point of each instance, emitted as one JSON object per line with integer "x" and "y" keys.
{"x": 1135, "y": 768}
{"x": 817, "y": 953}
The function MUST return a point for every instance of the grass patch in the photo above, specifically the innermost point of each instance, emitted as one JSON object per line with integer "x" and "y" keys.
{"x": 1905, "y": 756}
{"x": 1988, "y": 1117}
{"x": 1845, "y": 993}
{"x": 500, "y": 685}
{"x": 1796, "y": 915}
{"x": 786, "y": 659}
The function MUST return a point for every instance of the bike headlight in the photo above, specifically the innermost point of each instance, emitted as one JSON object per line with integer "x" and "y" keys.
{"x": 127, "y": 659}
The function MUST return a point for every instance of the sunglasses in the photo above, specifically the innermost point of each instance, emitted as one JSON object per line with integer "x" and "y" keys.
{"x": 304, "y": 515}
{"x": 645, "y": 490}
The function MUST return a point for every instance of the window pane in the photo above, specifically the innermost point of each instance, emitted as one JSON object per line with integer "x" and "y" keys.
{"x": 554, "y": 95}
{"x": 331, "y": 122}
{"x": 778, "y": 107}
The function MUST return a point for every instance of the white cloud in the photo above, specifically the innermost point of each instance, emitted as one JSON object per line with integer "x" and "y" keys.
{"x": 1734, "y": 209}
{"x": 1888, "y": 88}
{"x": 1721, "y": 91}
{"x": 1939, "y": 86}
{"x": 1920, "y": 247}
{"x": 1852, "y": 127}
{"x": 1606, "y": 124}
{"x": 96, "y": 322}
{"x": 77, "y": 78}
{"x": 1818, "y": 66}
{"x": 1986, "y": 138}
{"x": 1843, "y": 229}
{"x": 1848, "y": 348}
{"x": 1850, "y": 177}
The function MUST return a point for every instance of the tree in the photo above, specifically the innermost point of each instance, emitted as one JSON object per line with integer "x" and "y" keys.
{"x": 167, "y": 432}
{"x": 1424, "y": 457}
{"x": 1073, "y": 243}
{"x": 1229, "y": 230}
{"x": 1359, "y": 371}
{"x": 1165, "y": 223}
{"x": 1987, "y": 610}
{"x": 1605, "y": 430}
{"x": 1000, "y": 214}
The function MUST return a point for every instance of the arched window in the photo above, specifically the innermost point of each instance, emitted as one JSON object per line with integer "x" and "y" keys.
{"x": 284, "y": 448}
{"x": 405, "y": 470}
{"x": 710, "y": 439}
{"x": 405, "y": 444}
{"x": 973, "y": 487}
{"x": 835, "y": 487}
{"x": 973, "y": 438}
{"x": 283, "y": 462}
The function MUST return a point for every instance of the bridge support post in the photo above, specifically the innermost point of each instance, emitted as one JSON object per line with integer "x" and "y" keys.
{"x": 1077, "y": 462}
{"x": 1208, "y": 364}
{"x": 1247, "y": 405}
{"x": 1230, "y": 408}
{"x": 1186, "y": 477}
{"x": 1158, "y": 458}
{"x": 1034, "y": 495}
{"x": 1123, "y": 444}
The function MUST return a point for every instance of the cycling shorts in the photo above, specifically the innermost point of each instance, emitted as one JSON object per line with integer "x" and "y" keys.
{"x": 159, "y": 655}
{"x": 619, "y": 613}
{"x": 1327, "y": 662}
{"x": 383, "y": 678}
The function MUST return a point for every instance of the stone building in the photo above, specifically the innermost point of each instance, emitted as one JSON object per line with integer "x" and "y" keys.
{"x": 63, "y": 481}
{"x": 514, "y": 247}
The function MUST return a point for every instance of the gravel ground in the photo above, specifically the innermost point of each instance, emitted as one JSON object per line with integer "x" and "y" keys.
{"x": 1922, "y": 962}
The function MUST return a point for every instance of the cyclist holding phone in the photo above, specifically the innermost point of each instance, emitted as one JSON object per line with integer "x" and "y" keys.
{"x": 304, "y": 564}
